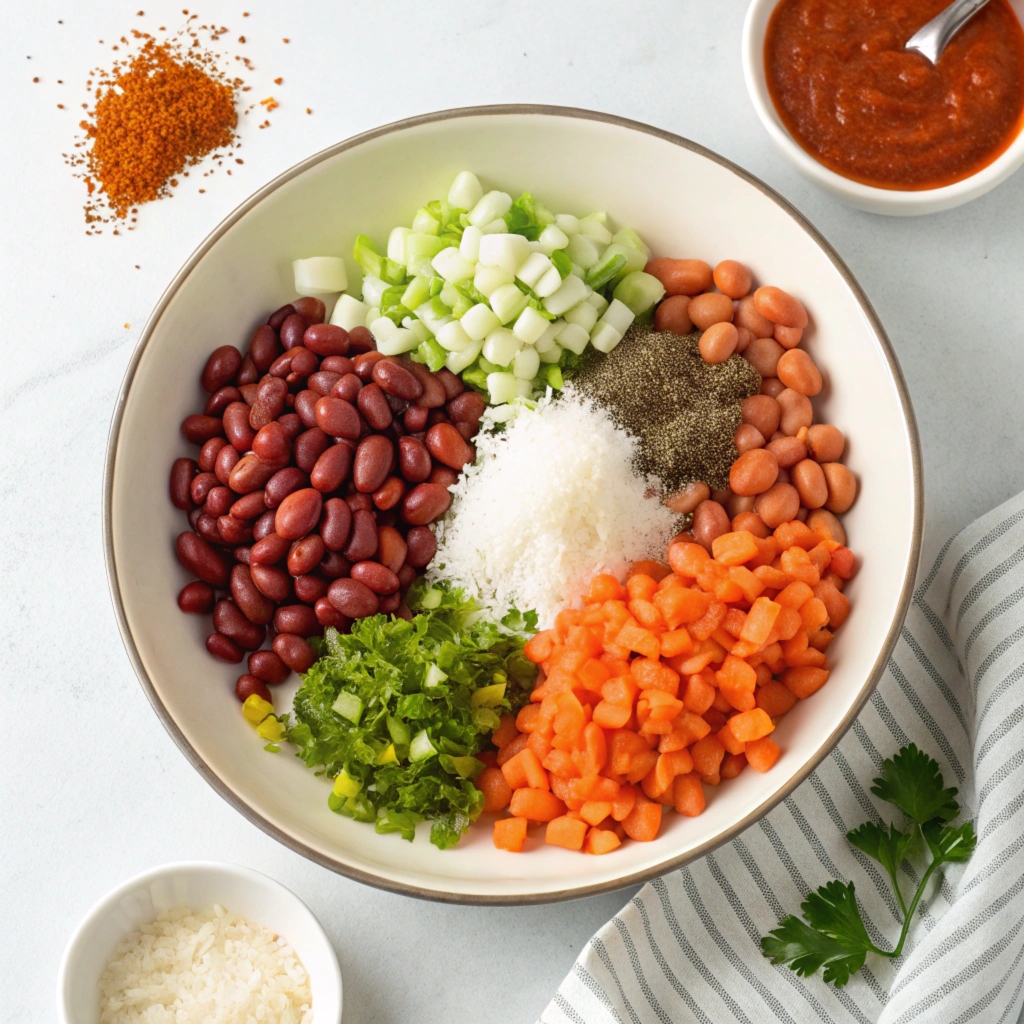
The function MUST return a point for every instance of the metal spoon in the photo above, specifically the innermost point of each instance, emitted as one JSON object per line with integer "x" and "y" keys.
{"x": 931, "y": 40}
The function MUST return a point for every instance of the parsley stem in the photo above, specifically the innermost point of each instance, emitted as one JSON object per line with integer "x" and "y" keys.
{"x": 910, "y": 912}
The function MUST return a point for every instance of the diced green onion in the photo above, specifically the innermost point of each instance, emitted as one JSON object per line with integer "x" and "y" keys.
{"x": 349, "y": 706}
{"x": 562, "y": 263}
{"x": 398, "y": 731}
{"x": 416, "y": 293}
{"x": 605, "y": 269}
{"x": 433, "y": 677}
{"x": 426, "y": 223}
{"x": 430, "y": 599}
{"x": 421, "y": 748}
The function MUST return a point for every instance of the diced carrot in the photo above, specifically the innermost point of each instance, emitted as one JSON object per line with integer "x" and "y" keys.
{"x": 773, "y": 656}
{"x": 707, "y": 754}
{"x": 796, "y": 534}
{"x": 646, "y": 673}
{"x": 721, "y": 703}
{"x": 804, "y": 681}
{"x": 729, "y": 740}
{"x": 620, "y": 690}
{"x": 838, "y": 604}
{"x": 528, "y": 718}
{"x": 772, "y": 578}
{"x": 736, "y": 674}
{"x": 794, "y": 647}
{"x": 624, "y": 802}
{"x": 676, "y": 641}
{"x": 592, "y": 615}
{"x": 734, "y": 548}
{"x": 634, "y": 637}
{"x": 663, "y": 706}
{"x": 560, "y": 762}
{"x": 489, "y": 758}
{"x": 843, "y": 563}
{"x": 611, "y": 716}
{"x": 647, "y": 615}
{"x": 560, "y": 787}
{"x": 572, "y": 659}
{"x": 670, "y": 581}
{"x": 496, "y": 790}
{"x": 525, "y": 770}
{"x": 732, "y": 765}
{"x": 767, "y": 549}
{"x": 774, "y": 699}
{"x": 820, "y": 639}
{"x": 566, "y": 832}
{"x": 536, "y": 805}
{"x": 582, "y": 789}
{"x": 586, "y": 639}
{"x": 593, "y": 675}
{"x": 796, "y": 562}
{"x": 510, "y": 834}
{"x": 688, "y": 795}
{"x": 760, "y": 619}
{"x": 595, "y": 748}
{"x": 685, "y": 559}
{"x": 698, "y": 695}
{"x": 505, "y": 732}
{"x": 751, "y": 725}
{"x": 737, "y": 698}
{"x": 622, "y": 748}
{"x": 787, "y": 624}
{"x": 513, "y": 747}
{"x": 677, "y": 762}
{"x": 681, "y": 605}
{"x": 762, "y": 754}
{"x": 640, "y": 764}
{"x": 820, "y": 556}
{"x": 703, "y": 627}
{"x": 604, "y": 587}
{"x": 644, "y": 821}
{"x": 794, "y": 595}
{"x": 641, "y": 587}
{"x": 563, "y": 620}
{"x": 732, "y": 624}
{"x": 601, "y": 840}
{"x": 593, "y": 812}
{"x": 540, "y": 743}
{"x": 751, "y": 586}
{"x": 538, "y": 647}
{"x": 570, "y": 717}
{"x": 763, "y": 672}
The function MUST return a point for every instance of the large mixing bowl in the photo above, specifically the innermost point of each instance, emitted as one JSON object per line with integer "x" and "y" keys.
{"x": 684, "y": 201}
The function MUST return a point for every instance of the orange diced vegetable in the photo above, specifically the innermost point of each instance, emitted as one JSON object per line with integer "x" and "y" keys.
{"x": 689, "y": 795}
{"x": 510, "y": 834}
{"x": 774, "y": 699}
{"x": 641, "y": 587}
{"x": 751, "y": 725}
{"x": 804, "y": 681}
{"x": 566, "y": 832}
{"x": 843, "y": 563}
{"x": 686, "y": 559}
{"x": 593, "y": 812}
{"x": 513, "y": 747}
{"x": 634, "y": 637}
{"x": 604, "y": 587}
{"x": 698, "y": 695}
{"x": 732, "y": 765}
{"x": 644, "y": 821}
{"x": 676, "y": 641}
{"x": 729, "y": 740}
{"x": 536, "y": 805}
{"x": 601, "y": 840}
{"x": 681, "y": 605}
{"x": 762, "y": 754}
{"x": 760, "y": 620}
{"x": 707, "y": 755}
{"x": 495, "y": 788}
{"x": 734, "y": 548}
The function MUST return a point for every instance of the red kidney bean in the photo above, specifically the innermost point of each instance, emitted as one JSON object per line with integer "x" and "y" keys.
{"x": 247, "y": 373}
{"x": 264, "y": 526}
{"x": 298, "y": 513}
{"x": 271, "y": 581}
{"x": 362, "y": 542}
{"x": 421, "y": 545}
{"x": 396, "y": 380}
{"x": 407, "y": 575}
{"x": 194, "y": 516}
{"x": 269, "y": 667}
{"x": 249, "y": 507}
{"x": 224, "y": 649}
{"x": 467, "y": 408}
{"x": 379, "y": 578}
{"x": 229, "y": 620}
{"x": 234, "y": 531}
{"x": 221, "y": 399}
{"x": 322, "y": 382}
{"x": 269, "y": 549}
{"x": 328, "y": 615}
{"x": 334, "y": 565}
{"x": 227, "y": 459}
{"x": 297, "y": 619}
{"x": 466, "y": 430}
{"x": 239, "y": 432}
{"x": 219, "y": 501}
{"x": 337, "y": 417}
{"x": 451, "y": 383}
{"x": 415, "y": 418}
{"x": 303, "y": 363}
{"x": 340, "y": 365}
{"x": 290, "y": 424}
{"x": 248, "y": 685}
{"x": 373, "y": 461}
{"x": 279, "y": 316}
{"x": 309, "y": 588}
{"x": 360, "y": 340}
{"x": 374, "y": 406}
{"x": 241, "y": 554}
{"x": 251, "y": 473}
{"x": 304, "y": 555}
{"x": 182, "y": 473}
{"x": 424, "y": 503}
{"x": 364, "y": 363}
{"x": 294, "y": 652}
{"x": 196, "y": 598}
{"x": 206, "y": 527}
{"x": 353, "y": 599}
{"x": 292, "y": 330}
{"x": 336, "y": 523}
{"x": 248, "y": 597}
{"x": 434, "y": 395}
{"x": 413, "y": 460}
{"x": 249, "y": 393}
{"x": 305, "y": 406}
{"x": 332, "y": 468}
{"x": 209, "y": 452}
{"x": 391, "y": 547}
{"x": 443, "y": 475}
{"x": 390, "y": 493}
{"x": 270, "y": 443}
{"x": 221, "y": 367}
{"x": 446, "y": 445}
{"x": 390, "y": 604}
{"x": 326, "y": 340}
{"x": 283, "y": 483}
{"x": 202, "y": 560}
{"x": 399, "y": 405}
{"x": 360, "y": 502}
{"x": 312, "y": 308}
{"x": 264, "y": 347}
{"x": 308, "y": 447}
{"x": 198, "y": 428}
{"x": 435, "y": 416}
{"x": 347, "y": 387}
{"x": 269, "y": 402}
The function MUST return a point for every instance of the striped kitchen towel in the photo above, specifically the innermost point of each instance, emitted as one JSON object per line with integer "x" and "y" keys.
{"x": 687, "y": 947}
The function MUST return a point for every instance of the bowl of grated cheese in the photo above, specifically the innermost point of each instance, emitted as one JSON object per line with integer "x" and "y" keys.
{"x": 680, "y": 198}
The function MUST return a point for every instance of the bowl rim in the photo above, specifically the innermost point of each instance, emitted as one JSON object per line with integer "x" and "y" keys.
{"x": 920, "y": 200}
{"x": 251, "y": 876}
{"x": 488, "y": 899}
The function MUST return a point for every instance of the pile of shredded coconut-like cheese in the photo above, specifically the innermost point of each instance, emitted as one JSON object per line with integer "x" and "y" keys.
{"x": 188, "y": 967}
{"x": 551, "y": 500}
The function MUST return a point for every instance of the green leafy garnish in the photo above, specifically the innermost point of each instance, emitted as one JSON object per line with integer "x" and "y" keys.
{"x": 395, "y": 710}
{"x": 832, "y": 935}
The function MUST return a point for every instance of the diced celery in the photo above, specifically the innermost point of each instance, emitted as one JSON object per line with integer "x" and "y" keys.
{"x": 598, "y": 301}
{"x": 635, "y": 259}
{"x": 554, "y": 377}
{"x": 416, "y": 293}
{"x": 567, "y": 223}
{"x": 547, "y": 339}
{"x": 391, "y": 303}
{"x": 552, "y": 238}
{"x": 639, "y": 291}
{"x": 489, "y": 279}
{"x": 501, "y": 387}
{"x": 549, "y": 283}
{"x": 430, "y": 599}
{"x": 255, "y": 709}
{"x": 492, "y": 206}
{"x": 463, "y": 305}
{"x": 526, "y": 363}
{"x": 320, "y": 274}
{"x": 508, "y": 252}
{"x": 628, "y": 237}
{"x": 453, "y": 336}
{"x": 435, "y": 314}
{"x": 349, "y": 706}
{"x": 574, "y": 338}
{"x": 529, "y": 326}
{"x": 392, "y": 340}
{"x": 373, "y": 313}
{"x": 495, "y": 227}
{"x": 396, "y": 244}
{"x": 421, "y": 748}
{"x": 432, "y": 354}
{"x": 373, "y": 289}
{"x": 582, "y": 250}
{"x": 345, "y": 785}
{"x": 501, "y": 346}
{"x": 553, "y": 354}
{"x": 533, "y": 268}
{"x": 349, "y": 312}
{"x": 373, "y": 263}
{"x": 397, "y": 729}
{"x": 483, "y": 363}
{"x": 433, "y": 677}
{"x": 508, "y": 302}
{"x": 426, "y": 223}
{"x": 423, "y": 246}
{"x": 469, "y": 247}
{"x": 619, "y": 315}
{"x": 604, "y": 337}
{"x": 475, "y": 377}
{"x": 418, "y": 327}
{"x": 584, "y": 314}
{"x": 466, "y": 191}
{"x": 488, "y": 696}
{"x": 453, "y": 266}
{"x": 605, "y": 268}
{"x": 562, "y": 262}
{"x": 569, "y": 292}
{"x": 458, "y": 362}
{"x": 477, "y": 323}
{"x": 593, "y": 226}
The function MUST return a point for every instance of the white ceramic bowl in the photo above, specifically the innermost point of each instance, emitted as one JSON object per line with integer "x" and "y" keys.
{"x": 683, "y": 200}
{"x": 195, "y": 884}
{"x": 863, "y": 197}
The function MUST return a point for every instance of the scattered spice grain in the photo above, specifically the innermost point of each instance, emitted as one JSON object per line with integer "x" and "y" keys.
{"x": 682, "y": 410}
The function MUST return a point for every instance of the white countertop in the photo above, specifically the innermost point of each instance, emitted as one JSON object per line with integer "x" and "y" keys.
{"x": 92, "y": 789}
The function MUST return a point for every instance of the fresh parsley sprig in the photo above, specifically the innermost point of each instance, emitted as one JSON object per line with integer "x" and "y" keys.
{"x": 832, "y": 936}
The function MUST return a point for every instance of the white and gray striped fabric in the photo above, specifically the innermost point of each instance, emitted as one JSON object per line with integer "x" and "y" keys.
{"x": 686, "y": 948}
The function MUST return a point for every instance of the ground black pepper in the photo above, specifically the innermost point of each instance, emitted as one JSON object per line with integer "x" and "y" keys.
{"x": 682, "y": 410}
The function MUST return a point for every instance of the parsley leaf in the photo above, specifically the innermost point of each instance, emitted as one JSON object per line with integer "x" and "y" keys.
{"x": 807, "y": 950}
{"x": 886, "y": 844}
{"x": 912, "y": 781}
{"x": 949, "y": 844}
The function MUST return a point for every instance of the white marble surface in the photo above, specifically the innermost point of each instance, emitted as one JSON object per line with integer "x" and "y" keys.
{"x": 91, "y": 787}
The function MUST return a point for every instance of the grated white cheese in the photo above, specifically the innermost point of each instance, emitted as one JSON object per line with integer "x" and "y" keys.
{"x": 551, "y": 500}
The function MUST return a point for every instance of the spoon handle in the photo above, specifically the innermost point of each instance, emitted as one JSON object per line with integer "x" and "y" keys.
{"x": 931, "y": 39}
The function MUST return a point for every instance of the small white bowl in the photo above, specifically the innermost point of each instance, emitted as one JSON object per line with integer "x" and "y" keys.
{"x": 195, "y": 884}
{"x": 898, "y": 203}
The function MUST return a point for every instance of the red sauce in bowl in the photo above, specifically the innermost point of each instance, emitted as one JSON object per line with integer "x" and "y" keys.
{"x": 858, "y": 102}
